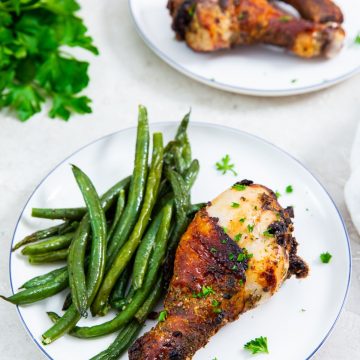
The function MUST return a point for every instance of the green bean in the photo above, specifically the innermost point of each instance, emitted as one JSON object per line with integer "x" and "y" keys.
{"x": 67, "y": 302}
{"x": 136, "y": 192}
{"x": 100, "y": 305}
{"x": 62, "y": 326}
{"x": 43, "y": 279}
{"x": 144, "y": 251}
{"x": 51, "y": 244}
{"x": 120, "y": 204}
{"x": 122, "y": 342}
{"x": 141, "y": 295}
{"x": 39, "y": 292}
{"x": 62, "y": 214}
{"x": 71, "y": 316}
{"x": 76, "y": 266}
{"x": 98, "y": 244}
{"x": 191, "y": 173}
{"x": 50, "y": 257}
{"x": 151, "y": 301}
{"x": 194, "y": 208}
{"x": 121, "y": 285}
{"x": 60, "y": 229}
{"x": 121, "y": 304}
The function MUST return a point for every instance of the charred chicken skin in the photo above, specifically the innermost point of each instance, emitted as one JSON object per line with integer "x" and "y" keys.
{"x": 210, "y": 25}
{"x": 235, "y": 254}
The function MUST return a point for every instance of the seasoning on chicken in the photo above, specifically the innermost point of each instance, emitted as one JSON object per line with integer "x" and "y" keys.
{"x": 210, "y": 25}
{"x": 235, "y": 254}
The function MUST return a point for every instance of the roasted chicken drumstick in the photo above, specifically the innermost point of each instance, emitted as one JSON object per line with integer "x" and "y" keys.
{"x": 209, "y": 25}
{"x": 235, "y": 254}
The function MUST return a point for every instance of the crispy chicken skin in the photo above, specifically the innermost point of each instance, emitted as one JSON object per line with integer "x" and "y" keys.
{"x": 242, "y": 254}
{"x": 210, "y": 25}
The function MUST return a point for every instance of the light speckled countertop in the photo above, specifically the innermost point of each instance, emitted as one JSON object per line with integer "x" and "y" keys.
{"x": 317, "y": 128}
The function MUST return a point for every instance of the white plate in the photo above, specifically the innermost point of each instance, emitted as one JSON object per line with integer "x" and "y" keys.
{"x": 255, "y": 70}
{"x": 292, "y": 333}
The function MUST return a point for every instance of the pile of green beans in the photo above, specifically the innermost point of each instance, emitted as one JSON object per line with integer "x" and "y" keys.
{"x": 117, "y": 249}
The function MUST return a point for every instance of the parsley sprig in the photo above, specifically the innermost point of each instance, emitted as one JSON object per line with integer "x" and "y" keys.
{"x": 224, "y": 165}
{"x": 205, "y": 292}
{"x": 258, "y": 345}
{"x": 325, "y": 257}
{"x": 33, "y": 63}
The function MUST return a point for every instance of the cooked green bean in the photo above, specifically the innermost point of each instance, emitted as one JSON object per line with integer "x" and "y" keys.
{"x": 50, "y": 257}
{"x": 39, "y": 292}
{"x": 122, "y": 342}
{"x": 50, "y": 244}
{"x": 60, "y": 229}
{"x": 141, "y": 295}
{"x": 98, "y": 245}
{"x": 151, "y": 301}
{"x": 43, "y": 279}
{"x": 65, "y": 323}
{"x": 100, "y": 305}
{"x": 194, "y": 208}
{"x": 120, "y": 204}
{"x": 62, "y": 214}
{"x": 71, "y": 316}
{"x": 136, "y": 192}
{"x": 120, "y": 287}
{"x": 67, "y": 302}
{"x": 144, "y": 251}
{"x": 76, "y": 266}
{"x": 191, "y": 173}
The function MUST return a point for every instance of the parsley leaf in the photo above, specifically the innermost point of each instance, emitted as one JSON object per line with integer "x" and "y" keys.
{"x": 277, "y": 194}
{"x": 239, "y": 187}
{"x": 224, "y": 165}
{"x": 250, "y": 227}
{"x": 162, "y": 316}
{"x": 325, "y": 257}
{"x": 205, "y": 291}
{"x": 357, "y": 39}
{"x": 268, "y": 234}
{"x": 289, "y": 189}
{"x": 235, "y": 205}
{"x": 33, "y": 64}
{"x": 258, "y": 345}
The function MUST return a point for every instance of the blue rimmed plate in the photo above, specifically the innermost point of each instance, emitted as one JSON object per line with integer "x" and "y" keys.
{"x": 297, "y": 320}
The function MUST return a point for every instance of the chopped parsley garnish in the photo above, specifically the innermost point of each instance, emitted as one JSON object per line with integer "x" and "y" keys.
{"x": 205, "y": 291}
{"x": 285, "y": 18}
{"x": 223, "y": 241}
{"x": 244, "y": 255}
{"x": 241, "y": 282}
{"x": 357, "y": 39}
{"x": 277, "y": 194}
{"x": 325, "y": 257}
{"x": 255, "y": 207}
{"x": 231, "y": 256}
{"x": 215, "y": 303}
{"x": 213, "y": 250}
{"x": 224, "y": 229}
{"x": 224, "y": 165}
{"x": 267, "y": 233}
{"x": 242, "y": 220}
{"x": 237, "y": 237}
{"x": 250, "y": 227}
{"x": 191, "y": 10}
{"x": 258, "y": 345}
{"x": 162, "y": 315}
{"x": 289, "y": 189}
{"x": 217, "y": 310}
{"x": 234, "y": 268}
{"x": 235, "y": 205}
{"x": 239, "y": 187}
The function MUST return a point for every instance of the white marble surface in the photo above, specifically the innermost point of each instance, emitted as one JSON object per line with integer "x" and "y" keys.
{"x": 317, "y": 128}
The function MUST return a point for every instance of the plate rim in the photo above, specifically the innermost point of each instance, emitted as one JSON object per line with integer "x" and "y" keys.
{"x": 196, "y": 123}
{"x": 231, "y": 88}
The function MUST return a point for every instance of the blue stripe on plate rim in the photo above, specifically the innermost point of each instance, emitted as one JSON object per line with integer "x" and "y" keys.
{"x": 235, "y": 89}
{"x": 199, "y": 124}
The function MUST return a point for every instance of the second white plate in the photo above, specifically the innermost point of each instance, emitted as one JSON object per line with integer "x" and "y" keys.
{"x": 255, "y": 70}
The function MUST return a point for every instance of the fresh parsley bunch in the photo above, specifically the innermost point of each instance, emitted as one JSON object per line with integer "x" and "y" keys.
{"x": 33, "y": 62}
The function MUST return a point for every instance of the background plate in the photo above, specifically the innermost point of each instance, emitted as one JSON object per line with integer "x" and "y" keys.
{"x": 296, "y": 320}
{"x": 255, "y": 70}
